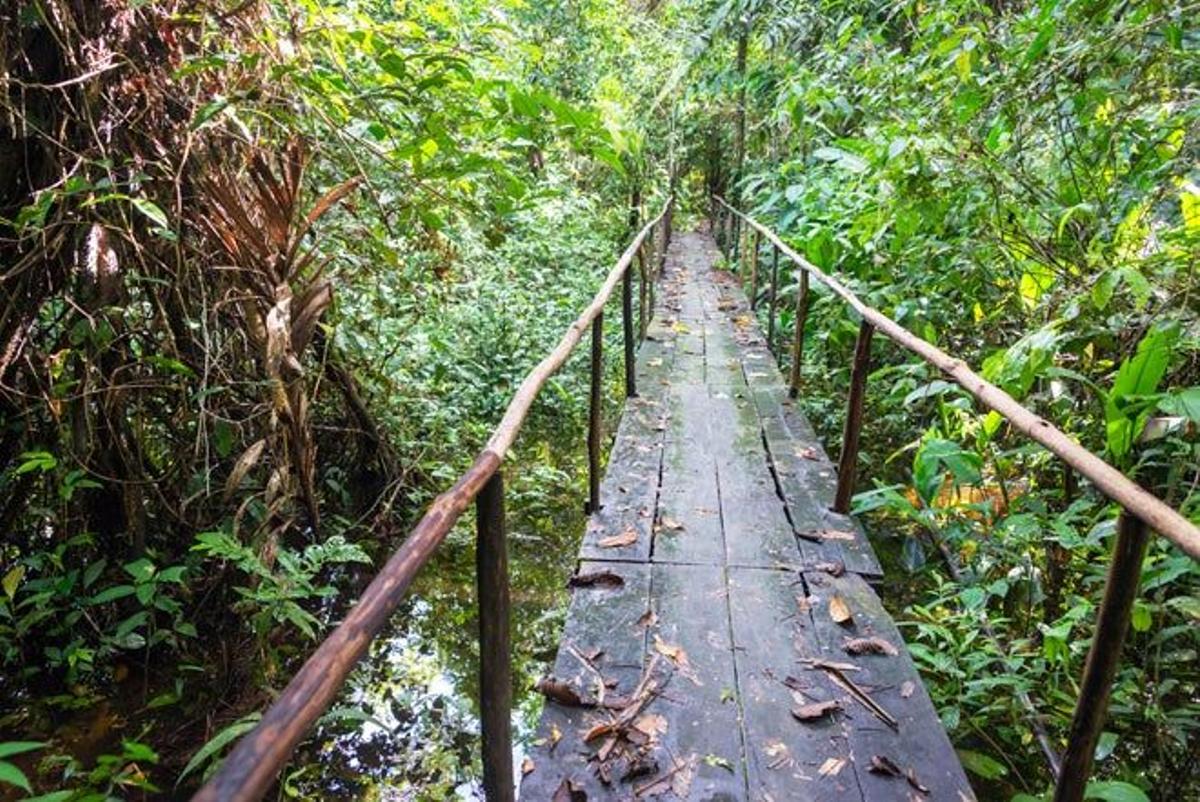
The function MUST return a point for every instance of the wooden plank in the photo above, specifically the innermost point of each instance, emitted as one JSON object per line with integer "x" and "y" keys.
{"x": 772, "y": 629}
{"x": 601, "y": 619}
{"x": 756, "y": 527}
{"x": 691, "y": 603}
{"x": 629, "y": 490}
{"x": 918, "y": 741}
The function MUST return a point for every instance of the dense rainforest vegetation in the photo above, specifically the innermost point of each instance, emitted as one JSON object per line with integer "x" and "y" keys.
{"x": 272, "y": 269}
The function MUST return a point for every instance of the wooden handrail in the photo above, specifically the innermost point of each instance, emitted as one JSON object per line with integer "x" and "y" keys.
{"x": 253, "y": 764}
{"x": 1157, "y": 515}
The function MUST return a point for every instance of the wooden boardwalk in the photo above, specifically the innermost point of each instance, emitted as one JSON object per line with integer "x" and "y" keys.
{"x": 723, "y": 640}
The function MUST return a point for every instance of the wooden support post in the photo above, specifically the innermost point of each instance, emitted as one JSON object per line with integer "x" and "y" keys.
{"x": 495, "y": 667}
{"x": 643, "y": 296}
{"x": 736, "y": 251}
{"x": 627, "y": 331}
{"x": 595, "y": 402}
{"x": 798, "y": 334}
{"x": 1104, "y": 656}
{"x": 848, "y": 461}
{"x": 754, "y": 267}
{"x": 774, "y": 296}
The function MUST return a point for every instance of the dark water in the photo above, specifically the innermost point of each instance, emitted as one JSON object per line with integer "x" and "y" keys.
{"x": 407, "y": 727}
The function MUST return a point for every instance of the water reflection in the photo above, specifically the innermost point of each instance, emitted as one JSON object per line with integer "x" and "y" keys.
{"x": 407, "y": 727}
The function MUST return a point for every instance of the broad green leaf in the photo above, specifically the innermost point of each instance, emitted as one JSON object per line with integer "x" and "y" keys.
{"x": 1115, "y": 791}
{"x": 981, "y": 765}
{"x": 11, "y": 775}
{"x": 219, "y": 742}
{"x": 10, "y": 748}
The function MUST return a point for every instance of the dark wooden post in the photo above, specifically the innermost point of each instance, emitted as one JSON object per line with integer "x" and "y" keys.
{"x": 643, "y": 295}
{"x": 798, "y": 334}
{"x": 595, "y": 401}
{"x": 848, "y": 461}
{"x": 774, "y": 295}
{"x": 1104, "y": 656}
{"x": 736, "y": 253}
{"x": 495, "y": 667}
{"x": 754, "y": 270}
{"x": 627, "y": 328}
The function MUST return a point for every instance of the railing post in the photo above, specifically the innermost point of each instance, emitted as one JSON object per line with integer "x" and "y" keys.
{"x": 495, "y": 667}
{"x": 593, "y": 440}
{"x": 754, "y": 271}
{"x": 1112, "y": 624}
{"x": 643, "y": 293}
{"x": 798, "y": 334}
{"x": 627, "y": 330}
{"x": 848, "y": 461}
{"x": 774, "y": 295}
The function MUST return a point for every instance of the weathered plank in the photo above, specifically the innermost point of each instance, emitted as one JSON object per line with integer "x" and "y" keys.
{"x": 917, "y": 742}
{"x": 607, "y": 627}
{"x": 786, "y": 758}
{"x": 699, "y": 703}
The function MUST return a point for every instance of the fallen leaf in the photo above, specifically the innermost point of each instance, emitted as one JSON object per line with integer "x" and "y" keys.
{"x": 626, "y": 538}
{"x": 911, "y": 776}
{"x": 598, "y": 731}
{"x": 647, "y": 619}
{"x": 678, "y": 656}
{"x": 527, "y": 766}
{"x": 858, "y": 646}
{"x": 832, "y": 766}
{"x": 569, "y": 791}
{"x": 671, "y": 525}
{"x": 559, "y": 691}
{"x": 650, "y": 723}
{"x": 839, "y": 611}
{"x": 832, "y": 534}
{"x": 718, "y": 761}
{"x": 555, "y": 736}
{"x": 815, "y": 711}
{"x": 641, "y": 767}
{"x": 834, "y": 568}
{"x": 881, "y": 764}
{"x": 907, "y": 688}
{"x": 596, "y": 579}
{"x": 808, "y": 453}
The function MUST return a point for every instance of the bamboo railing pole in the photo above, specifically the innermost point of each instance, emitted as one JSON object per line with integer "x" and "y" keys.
{"x": 1104, "y": 657}
{"x": 848, "y": 461}
{"x": 798, "y": 335}
{"x": 595, "y": 401}
{"x": 773, "y": 298}
{"x": 1110, "y": 481}
{"x": 495, "y": 649}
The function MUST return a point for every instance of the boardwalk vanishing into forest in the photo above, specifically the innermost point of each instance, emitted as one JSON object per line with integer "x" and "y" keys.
{"x": 723, "y": 639}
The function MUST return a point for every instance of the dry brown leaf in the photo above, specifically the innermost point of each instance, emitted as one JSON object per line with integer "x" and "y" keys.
{"x": 882, "y": 764}
{"x": 678, "y": 656}
{"x": 647, "y": 619}
{"x": 816, "y": 711}
{"x": 559, "y": 691}
{"x": 569, "y": 791}
{"x": 555, "y": 736}
{"x": 598, "y": 731}
{"x": 626, "y": 538}
{"x": 832, "y": 766}
{"x": 671, "y": 525}
{"x": 527, "y": 766}
{"x": 834, "y": 568}
{"x": 839, "y": 611}
{"x": 651, "y": 723}
{"x": 596, "y": 579}
{"x": 242, "y": 467}
{"x": 907, "y": 688}
{"x": 808, "y": 453}
{"x": 871, "y": 645}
